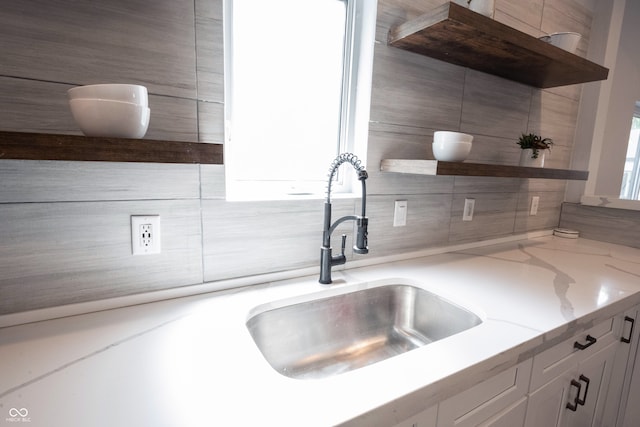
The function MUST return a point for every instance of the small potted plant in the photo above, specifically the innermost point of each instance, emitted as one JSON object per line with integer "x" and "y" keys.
{"x": 533, "y": 149}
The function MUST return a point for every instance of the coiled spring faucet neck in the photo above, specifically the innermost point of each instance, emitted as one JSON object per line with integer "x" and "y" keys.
{"x": 360, "y": 246}
{"x": 354, "y": 161}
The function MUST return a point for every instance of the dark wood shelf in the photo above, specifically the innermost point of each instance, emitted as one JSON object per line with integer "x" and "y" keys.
{"x": 435, "y": 167}
{"x": 457, "y": 35}
{"x": 42, "y": 146}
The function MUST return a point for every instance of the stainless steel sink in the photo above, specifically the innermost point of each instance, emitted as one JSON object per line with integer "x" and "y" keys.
{"x": 336, "y": 334}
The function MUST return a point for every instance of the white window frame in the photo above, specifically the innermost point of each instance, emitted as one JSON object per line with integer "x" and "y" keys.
{"x": 356, "y": 97}
{"x": 633, "y": 192}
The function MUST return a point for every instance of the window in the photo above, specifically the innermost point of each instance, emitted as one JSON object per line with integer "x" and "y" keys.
{"x": 631, "y": 177}
{"x": 297, "y": 92}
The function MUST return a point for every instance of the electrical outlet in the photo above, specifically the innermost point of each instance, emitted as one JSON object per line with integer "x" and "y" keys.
{"x": 469, "y": 206}
{"x": 400, "y": 213}
{"x": 145, "y": 234}
{"x": 535, "y": 201}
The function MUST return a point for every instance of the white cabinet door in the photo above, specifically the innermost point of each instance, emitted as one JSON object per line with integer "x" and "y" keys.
{"x": 630, "y": 410}
{"x": 620, "y": 385}
{"x": 497, "y": 401}
{"x": 631, "y": 416}
{"x": 575, "y": 398}
{"x": 547, "y": 405}
{"x": 426, "y": 418}
{"x": 594, "y": 374}
{"x": 564, "y": 374}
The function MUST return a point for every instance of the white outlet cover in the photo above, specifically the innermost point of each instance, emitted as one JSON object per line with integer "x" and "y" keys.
{"x": 400, "y": 213}
{"x": 535, "y": 201}
{"x": 145, "y": 234}
{"x": 469, "y": 206}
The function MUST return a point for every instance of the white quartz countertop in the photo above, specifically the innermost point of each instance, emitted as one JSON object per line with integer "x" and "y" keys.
{"x": 192, "y": 362}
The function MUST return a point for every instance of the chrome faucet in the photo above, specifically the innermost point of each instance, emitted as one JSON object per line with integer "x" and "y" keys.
{"x": 327, "y": 260}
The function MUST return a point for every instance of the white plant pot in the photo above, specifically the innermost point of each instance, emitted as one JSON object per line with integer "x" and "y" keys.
{"x": 526, "y": 158}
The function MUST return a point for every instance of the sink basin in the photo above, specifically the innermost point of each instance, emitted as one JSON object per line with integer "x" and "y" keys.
{"x": 335, "y": 334}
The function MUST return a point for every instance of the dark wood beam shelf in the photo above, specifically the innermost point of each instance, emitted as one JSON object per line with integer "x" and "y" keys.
{"x": 42, "y": 146}
{"x": 457, "y": 35}
{"x": 435, "y": 167}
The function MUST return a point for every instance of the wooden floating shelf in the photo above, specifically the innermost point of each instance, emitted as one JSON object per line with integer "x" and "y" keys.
{"x": 457, "y": 35}
{"x": 42, "y": 146}
{"x": 435, "y": 167}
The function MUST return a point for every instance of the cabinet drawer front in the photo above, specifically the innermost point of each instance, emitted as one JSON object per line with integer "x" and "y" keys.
{"x": 484, "y": 400}
{"x": 561, "y": 357}
{"x": 513, "y": 416}
{"x": 426, "y": 418}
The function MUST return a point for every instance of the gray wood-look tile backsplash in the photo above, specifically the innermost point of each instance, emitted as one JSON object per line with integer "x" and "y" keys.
{"x": 619, "y": 226}
{"x": 64, "y": 226}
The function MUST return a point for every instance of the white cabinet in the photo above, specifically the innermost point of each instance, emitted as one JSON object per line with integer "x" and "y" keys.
{"x": 589, "y": 380}
{"x": 498, "y": 401}
{"x": 569, "y": 381}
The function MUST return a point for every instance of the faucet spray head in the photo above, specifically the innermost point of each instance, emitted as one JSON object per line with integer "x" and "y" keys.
{"x": 362, "y": 236}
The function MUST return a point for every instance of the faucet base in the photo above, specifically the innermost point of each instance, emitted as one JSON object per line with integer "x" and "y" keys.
{"x": 326, "y": 262}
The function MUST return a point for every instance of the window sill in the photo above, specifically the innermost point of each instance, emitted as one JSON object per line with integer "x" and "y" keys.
{"x": 291, "y": 197}
{"x": 610, "y": 202}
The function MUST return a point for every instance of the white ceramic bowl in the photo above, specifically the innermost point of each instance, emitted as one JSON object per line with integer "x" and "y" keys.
{"x": 99, "y": 117}
{"x": 451, "y": 146}
{"x": 565, "y": 40}
{"x": 134, "y": 94}
{"x": 456, "y": 151}
{"x": 449, "y": 136}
